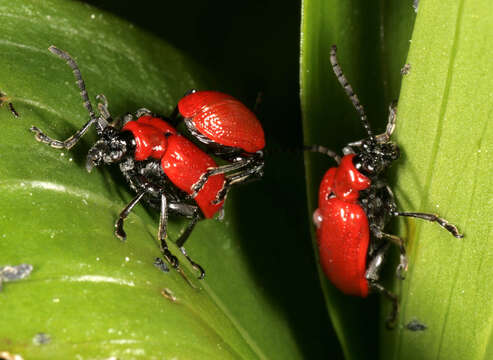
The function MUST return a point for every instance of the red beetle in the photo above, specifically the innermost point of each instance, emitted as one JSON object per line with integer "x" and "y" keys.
{"x": 354, "y": 205}
{"x": 181, "y": 161}
{"x": 230, "y": 130}
{"x": 159, "y": 164}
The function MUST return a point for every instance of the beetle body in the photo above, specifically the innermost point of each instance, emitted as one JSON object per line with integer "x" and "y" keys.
{"x": 342, "y": 228}
{"x": 355, "y": 204}
{"x": 159, "y": 164}
{"x": 219, "y": 118}
{"x": 230, "y": 131}
{"x": 181, "y": 161}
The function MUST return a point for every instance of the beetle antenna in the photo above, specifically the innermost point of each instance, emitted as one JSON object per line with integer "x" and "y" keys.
{"x": 100, "y": 123}
{"x": 349, "y": 90}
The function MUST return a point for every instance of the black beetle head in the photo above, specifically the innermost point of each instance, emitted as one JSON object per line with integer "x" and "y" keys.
{"x": 110, "y": 148}
{"x": 375, "y": 157}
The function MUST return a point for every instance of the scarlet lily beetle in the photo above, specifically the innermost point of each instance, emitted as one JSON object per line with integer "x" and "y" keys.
{"x": 230, "y": 130}
{"x": 355, "y": 203}
{"x": 159, "y": 164}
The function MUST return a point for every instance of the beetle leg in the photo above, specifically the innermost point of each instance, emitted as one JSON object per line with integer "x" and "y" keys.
{"x": 372, "y": 275}
{"x": 106, "y": 115}
{"x": 451, "y": 228}
{"x": 188, "y": 230}
{"x": 375, "y": 263}
{"x": 385, "y": 137}
{"x": 323, "y": 150}
{"x": 196, "y": 266}
{"x": 143, "y": 111}
{"x": 381, "y": 138}
{"x": 237, "y": 178}
{"x": 390, "y": 322}
{"x": 230, "y": 181}
{"x": 119, "y": 232}
{"x": 103, "y": 107}
{"x": 403, "y": 263}
{"x": 216, "y": 171}
{"x": 183, "y": 238}
{"x": 162, "y": 233}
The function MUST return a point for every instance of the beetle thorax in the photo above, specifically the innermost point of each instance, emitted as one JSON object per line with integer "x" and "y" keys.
{"x": 348, "y": 181}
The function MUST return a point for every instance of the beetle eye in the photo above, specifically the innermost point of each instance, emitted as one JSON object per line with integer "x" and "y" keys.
{"x": 363, "y": 166}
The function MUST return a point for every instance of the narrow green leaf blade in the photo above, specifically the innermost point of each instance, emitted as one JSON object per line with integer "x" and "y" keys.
{"x": 444, "y": 129}
{"x": 372, "y": 40}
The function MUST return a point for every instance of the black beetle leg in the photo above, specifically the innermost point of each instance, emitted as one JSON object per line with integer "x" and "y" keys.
{"x": 183, "y": 238}
{"x": 119, "y": 232}
{"x": 451, "y": 228}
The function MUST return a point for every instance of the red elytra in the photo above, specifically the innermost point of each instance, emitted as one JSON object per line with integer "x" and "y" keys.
{"x": 223, "y": 119}
{"x": 182, "y": 161}
{"x": 342, "y": 228}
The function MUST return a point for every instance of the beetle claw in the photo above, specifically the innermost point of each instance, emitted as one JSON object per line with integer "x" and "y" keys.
{"x": 119, "y": 232}
{"x": 402, "y": 268}
{"x": 172, "y": 259}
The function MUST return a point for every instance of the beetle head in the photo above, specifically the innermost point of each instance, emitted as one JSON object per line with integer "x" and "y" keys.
{"x": 375, "y": 157}
{"x": 110, "y": 148}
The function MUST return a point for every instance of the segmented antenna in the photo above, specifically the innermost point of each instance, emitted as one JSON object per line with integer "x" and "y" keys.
{"x": 323, "y": 150}
{"x": 78, "y": 78}
{"x": 349, "y": 90}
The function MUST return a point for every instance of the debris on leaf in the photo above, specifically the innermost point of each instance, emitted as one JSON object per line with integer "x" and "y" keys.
{"x": 12, "y": 273}
{"x": 5, "y": 100}
{"x": 405, "y": 69}
{"x": 168, "y": 294}
{"x": 4, "y": 355}
{"x": 159, "y": 263}
{"x": 415, "y": 325}
{"x": 41, "y": 339}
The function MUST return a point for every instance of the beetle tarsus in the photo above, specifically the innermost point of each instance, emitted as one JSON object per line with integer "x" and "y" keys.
{"x": 196, "y": 266}
{"x": 119, "y": 232}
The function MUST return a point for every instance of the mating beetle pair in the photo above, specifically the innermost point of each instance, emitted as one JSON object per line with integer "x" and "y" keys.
{"x": 355, "y": 203}
{"x": 165, "y": 169}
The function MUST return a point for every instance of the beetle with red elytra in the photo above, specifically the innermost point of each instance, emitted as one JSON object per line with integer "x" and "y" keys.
{"x": 229, "y": 130}
{"x": 354, "y": 205}
{"x": 165, "y": 169}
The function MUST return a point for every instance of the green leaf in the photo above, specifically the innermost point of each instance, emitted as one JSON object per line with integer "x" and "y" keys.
{"x": 444, "y": 127}
{"x": 442, "y": 130}
{"x": 364, "y": 33}
{"x": 95, "y": 296}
